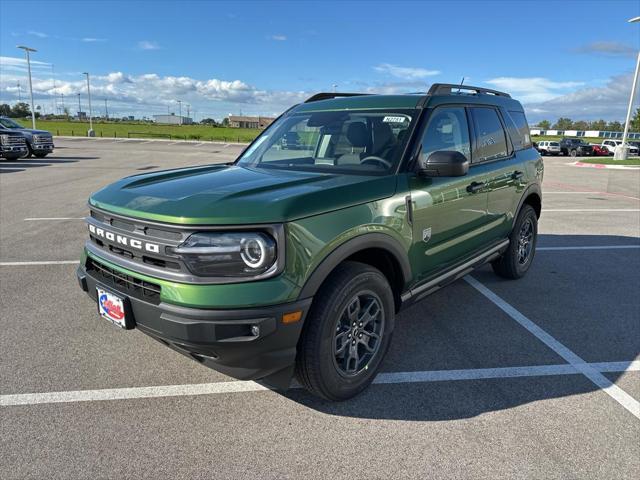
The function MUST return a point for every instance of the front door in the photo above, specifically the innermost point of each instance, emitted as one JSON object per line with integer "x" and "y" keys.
{"x": 449, "y": 213}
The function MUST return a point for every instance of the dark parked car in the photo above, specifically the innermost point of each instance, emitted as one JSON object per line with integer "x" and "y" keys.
{"x": 575, "y": 147}
{"x": 39, "y": 142}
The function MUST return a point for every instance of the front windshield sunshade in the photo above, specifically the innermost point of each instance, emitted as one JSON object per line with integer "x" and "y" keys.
{"x": 365, "y": 142}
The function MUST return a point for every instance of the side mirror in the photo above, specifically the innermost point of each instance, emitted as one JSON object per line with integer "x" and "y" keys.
{"x": 445, "y": 163}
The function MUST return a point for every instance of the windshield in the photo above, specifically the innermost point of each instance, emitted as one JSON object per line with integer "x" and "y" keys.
{"x": 6, "y": 123}
{"x": 356, "y": 142}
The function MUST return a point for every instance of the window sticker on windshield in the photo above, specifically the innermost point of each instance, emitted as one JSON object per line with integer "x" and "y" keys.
{"x": 391, "y": 119}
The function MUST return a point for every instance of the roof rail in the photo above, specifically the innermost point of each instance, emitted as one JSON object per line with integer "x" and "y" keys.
{"x": 448, "y": 89}
{"x": 327, "y": 95}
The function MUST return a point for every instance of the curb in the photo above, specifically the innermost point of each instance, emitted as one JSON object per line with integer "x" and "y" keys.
{"x": 602, "y": 166}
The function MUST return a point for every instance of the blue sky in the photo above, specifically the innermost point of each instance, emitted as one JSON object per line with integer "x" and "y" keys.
{"x": 572, "y": 58}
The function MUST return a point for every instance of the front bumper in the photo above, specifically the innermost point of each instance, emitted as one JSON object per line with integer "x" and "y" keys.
{"x": 219, "y": 339}
{"x": 42, "y": 147}
{"x": 13, "y": 149}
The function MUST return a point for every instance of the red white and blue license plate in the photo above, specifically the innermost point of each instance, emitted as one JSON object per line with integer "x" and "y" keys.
{"x": 111, "y": 308}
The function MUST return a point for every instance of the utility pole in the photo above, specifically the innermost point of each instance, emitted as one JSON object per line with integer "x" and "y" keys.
{"x": 180, "y": 110}
{"x": 33, "y": 113}
{"x": 188, "y": 109}
{"x": 62, "y": 95}
{"x": 55, "y": 98}
{"x": 90, "y": 133}
{"x": 106, "y": 110}
{"x": 622, "y": 150}
{"x": 19, "y": 92}
{"x": 79, "y": 107}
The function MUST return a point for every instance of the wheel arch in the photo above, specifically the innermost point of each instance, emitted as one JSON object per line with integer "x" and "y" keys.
{"x": 531, "y": 196}
{"x": 375, "y": 249}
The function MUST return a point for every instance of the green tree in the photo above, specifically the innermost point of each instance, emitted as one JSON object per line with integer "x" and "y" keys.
{"x": 580, "y": 125}
{"x": 225, "y": 122}
{"x": 544, "y": 124}
{"x": 563, "y": 124}
{"x": 5, "y": 110}
{"x": 634, "y": 126}
{"x": 614, "y": 126}
{"x": 20, "y": 109}
{"x": 209, "y": 121}
{"x": 598, "y": 125}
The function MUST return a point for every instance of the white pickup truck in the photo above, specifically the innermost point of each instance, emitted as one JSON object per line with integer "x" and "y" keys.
{"x": 612, "y": 144}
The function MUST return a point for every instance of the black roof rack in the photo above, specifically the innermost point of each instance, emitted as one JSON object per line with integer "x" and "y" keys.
{"x": 328, "y": 95}
{"x": 448, "y": 89}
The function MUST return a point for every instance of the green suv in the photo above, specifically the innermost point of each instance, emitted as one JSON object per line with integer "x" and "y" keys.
{"x": 296, "y": 258}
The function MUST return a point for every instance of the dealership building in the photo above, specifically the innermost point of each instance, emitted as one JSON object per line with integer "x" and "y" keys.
{"x": 241, "y": 121}
{"x": 583, "y": 133}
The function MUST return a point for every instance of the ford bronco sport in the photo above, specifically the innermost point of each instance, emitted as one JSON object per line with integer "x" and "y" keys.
{"x": 296, "y": 258}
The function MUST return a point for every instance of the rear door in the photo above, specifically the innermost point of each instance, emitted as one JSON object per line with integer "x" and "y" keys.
{"x": 500, "y": 156}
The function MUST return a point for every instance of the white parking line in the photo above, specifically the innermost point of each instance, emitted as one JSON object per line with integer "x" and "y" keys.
{"x": 240, "y": 386}
{"x": 52, "y": 262}
{"x": 615, "y": 392}
{"x": 590, "y": 210}
{"x": 40, "y": 219}
{"x": 589, "y": 247}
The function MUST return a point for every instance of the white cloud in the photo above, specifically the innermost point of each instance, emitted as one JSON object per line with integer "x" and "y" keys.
{"x": 278, "y": 38}
{"x": 148, "y": 45}
{"x": 93, "y": 40}
{"x": 151, "y": 93}
{"x": 407, "y": 73}
{"x": 37, "y": 34}
{"x": 589, "y": 103}
{"x": 532, "y": 89}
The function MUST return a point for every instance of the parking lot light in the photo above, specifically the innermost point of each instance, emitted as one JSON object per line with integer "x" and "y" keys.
{"x": 33, "y": 112}
{"x": 90, "y": 133}
{"x": 621, "y": 152}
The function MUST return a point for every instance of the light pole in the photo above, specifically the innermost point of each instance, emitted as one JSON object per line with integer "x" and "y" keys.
{"x": 19, "y": 92}
{"x": 33, "y": 112}
{"x": 180, "y": 110}
{"x": 106, "y": 110}
{"x": 90, "y": 133}
{"x": 622, "y": 150}
{"x": 79, "y": 106}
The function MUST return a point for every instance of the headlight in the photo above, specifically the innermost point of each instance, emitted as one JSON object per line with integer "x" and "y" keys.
{"x": 4, "y": 138}
{"x": 221, "y": 254}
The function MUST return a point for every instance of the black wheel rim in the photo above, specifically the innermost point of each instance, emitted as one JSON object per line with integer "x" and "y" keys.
{"x": 525, "y": 241}
{"x": 358, "y": 334}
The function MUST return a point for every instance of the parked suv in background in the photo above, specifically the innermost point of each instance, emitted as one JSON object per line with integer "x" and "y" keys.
{"x": 575, "y": 147}
{"x": 549, "y": 148}
{"x": 12, "y": 145}
{"x": 298, "y": 260}
{"x": 39, "y": 142}
{"x": 612, "y": 144}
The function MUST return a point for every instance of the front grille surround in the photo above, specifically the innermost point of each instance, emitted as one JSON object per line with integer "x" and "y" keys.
{"x": 163, "y": 264}
{"x": 15, "y": 140}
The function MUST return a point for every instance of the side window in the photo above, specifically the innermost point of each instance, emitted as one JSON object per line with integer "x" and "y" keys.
{"x": 522, "y": 137}
{"x": 490, "y": 141}
{"x": 447, "y": 130}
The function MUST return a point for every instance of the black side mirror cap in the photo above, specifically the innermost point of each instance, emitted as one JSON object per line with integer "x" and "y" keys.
{"x": 445, "y": 163}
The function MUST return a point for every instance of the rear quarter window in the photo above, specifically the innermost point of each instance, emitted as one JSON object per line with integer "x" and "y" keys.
{"x": 520, "y": 134}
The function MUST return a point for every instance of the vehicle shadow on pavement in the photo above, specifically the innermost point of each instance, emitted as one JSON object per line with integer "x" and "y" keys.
{"x": 20, "y": 165}
{"x": 585, "y": 299}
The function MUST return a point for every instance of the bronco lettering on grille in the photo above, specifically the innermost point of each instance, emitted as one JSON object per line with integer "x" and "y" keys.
{"x": 122, "y": 240}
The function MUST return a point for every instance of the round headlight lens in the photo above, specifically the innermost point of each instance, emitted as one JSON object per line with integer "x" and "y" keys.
{"x": 253, "y": 252}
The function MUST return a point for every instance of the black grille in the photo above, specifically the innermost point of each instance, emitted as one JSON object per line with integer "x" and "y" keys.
{"x": 134, "y": 287}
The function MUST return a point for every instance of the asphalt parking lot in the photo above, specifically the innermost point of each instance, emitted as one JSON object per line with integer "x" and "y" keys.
{"x": 538, "y": 378}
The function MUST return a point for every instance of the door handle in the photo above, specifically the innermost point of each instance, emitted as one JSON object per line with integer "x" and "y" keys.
{"x": 475, "y": 187}
{"x": 517, "y": 175}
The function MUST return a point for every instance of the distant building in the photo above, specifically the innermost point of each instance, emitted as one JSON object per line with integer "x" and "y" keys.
{"x": 82, "y": 116}
{"x": 582, "y": 133}
{"x": 173, "y": 119}
{"x": 239, "y": 121}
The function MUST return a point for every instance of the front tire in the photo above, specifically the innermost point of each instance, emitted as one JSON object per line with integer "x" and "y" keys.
{"x": 41, "y": 155}
{"x": 347, "y": 332}
{"x": 516, "y": 261}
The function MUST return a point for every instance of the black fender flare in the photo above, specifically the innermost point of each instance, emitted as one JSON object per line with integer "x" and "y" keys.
{"x": 533, "y": 188}
{"x": 354, "y": 245}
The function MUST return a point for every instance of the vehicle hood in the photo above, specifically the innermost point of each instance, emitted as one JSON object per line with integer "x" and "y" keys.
{"x": 233, "y": 195}
{"x": 31, "y": 131}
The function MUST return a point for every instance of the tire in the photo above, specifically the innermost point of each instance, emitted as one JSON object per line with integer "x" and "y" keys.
{"x": 573, "y": 153}
{"x": 29, "y": 152}
{"x": 41, "y": 155}
{"x": 320, "y": 366}
{"x": 511, "y": 264}
{"x": 543, "y": 152}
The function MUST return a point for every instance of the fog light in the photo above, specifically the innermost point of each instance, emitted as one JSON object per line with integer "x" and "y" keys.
{"x": 255, "y": 330}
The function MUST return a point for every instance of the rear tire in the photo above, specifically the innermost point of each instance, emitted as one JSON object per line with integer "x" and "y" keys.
{"x": 515, "y": 262}
{"x": 347, "y": 332}
{"x": 573, "y": 153}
